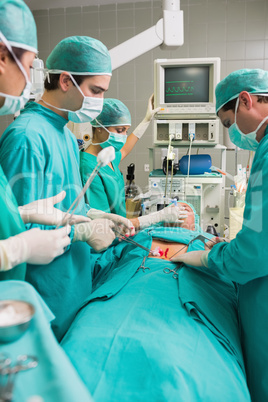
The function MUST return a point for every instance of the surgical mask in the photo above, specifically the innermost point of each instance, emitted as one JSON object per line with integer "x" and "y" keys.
{"x": 13, "y": 103}
{"x": 242, "y": 140}
{"x": 90, "y": 109}
{"x": 115, "y": 140}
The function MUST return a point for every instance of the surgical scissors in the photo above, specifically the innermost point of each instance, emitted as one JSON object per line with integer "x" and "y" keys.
{"x": 23, "y": 362}
{"x": 202, "y": 238}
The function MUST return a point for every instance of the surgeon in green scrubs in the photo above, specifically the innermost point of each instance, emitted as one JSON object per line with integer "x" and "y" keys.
{"x": 18, "y": 47}
{"x": 39, "y": 156}
{"x": 107, "y": 191}
{"x": 242, "y": 106}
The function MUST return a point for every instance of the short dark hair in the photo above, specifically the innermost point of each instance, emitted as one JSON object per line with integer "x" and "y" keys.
{"x": 231, "y": 104}
{"x": 17, "y": 51}
{"x": 52, "y": 82}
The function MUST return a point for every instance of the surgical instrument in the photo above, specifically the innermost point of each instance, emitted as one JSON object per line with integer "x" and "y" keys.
{"x": 199, "y": 237}
{"x": 155, "y": 252}
{"x": 104, "y": 157}
{"x": 23, "y": 363}
{"x": 142, "y": 266}
{"x": 174, "y": 271}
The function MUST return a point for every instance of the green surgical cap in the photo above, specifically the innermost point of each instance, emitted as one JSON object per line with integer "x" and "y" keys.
{"x": 17, "y": 25}
{"x": 114, "y": 113}
{"x": 252, "y": 81}
{"x": 80, "y": 55}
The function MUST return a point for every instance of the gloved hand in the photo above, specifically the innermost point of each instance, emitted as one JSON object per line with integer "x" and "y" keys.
{"x": 43, "y": 212}
{"x": 217, "y": 240}
{"x": 97, "y": 233}
{"x": 196, "y": 258}
{"x": 124, "y": 225}
{"x": 142, "y": 127}
{"x": 34, "y": 246}
{"x": 170, "y": 214}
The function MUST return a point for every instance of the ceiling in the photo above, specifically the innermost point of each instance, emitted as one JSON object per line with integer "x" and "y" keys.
{"x": 41, "y": 5}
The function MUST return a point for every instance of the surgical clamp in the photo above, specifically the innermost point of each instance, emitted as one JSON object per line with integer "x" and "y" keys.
{"x": 175, "y": 273}
{"x": 199, "y": 237}
{"x": 142, "y": 266}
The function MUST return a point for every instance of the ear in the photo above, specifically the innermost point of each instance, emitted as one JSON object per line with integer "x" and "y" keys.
{"x": 3, "y": 58}
{"x": 65, "y": 82}
{"x": 245, "y": 99}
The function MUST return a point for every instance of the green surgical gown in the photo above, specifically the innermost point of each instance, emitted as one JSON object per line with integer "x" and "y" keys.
{"x": 245, "y": 261}
{"x": 11, "y": 224}
{"x": 145, "y": 336}
{"x": 40, "y": 158}
{"x": 107, "y": 191}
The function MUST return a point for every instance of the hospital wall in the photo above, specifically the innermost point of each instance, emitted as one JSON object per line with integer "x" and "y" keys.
{"x": 234, "y": 30}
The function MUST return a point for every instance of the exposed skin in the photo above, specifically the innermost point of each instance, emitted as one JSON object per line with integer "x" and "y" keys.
{"x": 12, "y": 81}
{"x": 169, "y": 248}
{"x": 249, "y": 114}
{"x": 67, "y": 96}
{"x": 101, "y": 135}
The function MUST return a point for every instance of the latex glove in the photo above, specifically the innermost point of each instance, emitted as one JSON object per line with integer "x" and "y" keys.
{"x": 217, "y": 240}
{"x": 171, "y": 214}
{"x": 43, "y": 212}
{"x": 34, "y": 246}
{"x": 196, "y": 258}
{"x": 142, "y": 127}
{"x": 123, "y": 225}
{"x": 97, "y": 233}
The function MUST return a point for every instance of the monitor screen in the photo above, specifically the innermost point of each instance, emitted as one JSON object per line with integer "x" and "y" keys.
{"x": 187, "y": 84}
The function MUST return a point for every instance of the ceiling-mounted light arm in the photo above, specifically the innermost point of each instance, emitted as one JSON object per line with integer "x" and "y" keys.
{"x": 167, "y": 33}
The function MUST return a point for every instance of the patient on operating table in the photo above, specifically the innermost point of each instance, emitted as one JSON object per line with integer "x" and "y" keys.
{"x": 153, "y": 330}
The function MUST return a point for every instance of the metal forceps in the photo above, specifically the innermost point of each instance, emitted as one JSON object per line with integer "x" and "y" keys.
{"x": 142, "y": 266}
{"x": 23, "y": 363}
{"x": 202, "y": 238}
{"x": 174, "y": 271}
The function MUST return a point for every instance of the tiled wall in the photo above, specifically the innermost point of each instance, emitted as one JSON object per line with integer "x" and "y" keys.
{"x": 235, "y": 30}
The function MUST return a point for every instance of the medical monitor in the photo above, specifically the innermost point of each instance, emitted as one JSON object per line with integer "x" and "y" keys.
{"x": 185, "y": 88}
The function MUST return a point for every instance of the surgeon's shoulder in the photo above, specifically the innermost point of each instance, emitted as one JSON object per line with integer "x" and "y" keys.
{"x": 23, "y": 133}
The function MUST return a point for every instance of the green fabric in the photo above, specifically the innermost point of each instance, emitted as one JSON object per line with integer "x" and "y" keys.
{"x": 17, "y": 24}
{"x": 144, "y": 336}
{"x": 254, "y": 81}
{"x": 11, "y": 224}
{"x": 80, "y": 55}
{"x": 41, "y": 155}
{"x": 245, "y": 260}
{"x": 54, "y": 379}
{"x": 107, "y": 191}
{"x": 114, "y": 113}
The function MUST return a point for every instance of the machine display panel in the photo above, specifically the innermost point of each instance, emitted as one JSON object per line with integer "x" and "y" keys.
{"x": 186, "y": 84}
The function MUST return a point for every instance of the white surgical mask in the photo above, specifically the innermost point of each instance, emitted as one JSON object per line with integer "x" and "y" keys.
{"x": 242, "y": 140}
{"x": 90, "y": 109}
{"x": 13, "y": 103}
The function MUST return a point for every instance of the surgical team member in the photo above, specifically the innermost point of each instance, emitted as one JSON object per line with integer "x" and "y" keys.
{"x": 39, "y": 156}
{"x": 242, "y": 105}
{"x": 18, "y": 47}
{"x": 107, "y": 191}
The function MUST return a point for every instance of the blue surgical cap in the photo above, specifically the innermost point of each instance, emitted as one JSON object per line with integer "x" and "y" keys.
{"x": 17, "y": 25}
{"x": 114, "y": 113}
{"x": 252, "y": 81}
{"x": 80, "y": 55}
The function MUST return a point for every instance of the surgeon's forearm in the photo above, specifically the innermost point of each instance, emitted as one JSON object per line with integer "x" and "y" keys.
{"x": 129, "y": 145}
{"x": 136, "y": 223}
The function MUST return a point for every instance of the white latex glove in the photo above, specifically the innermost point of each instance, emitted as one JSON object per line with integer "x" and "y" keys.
{"x": 144, "y": 124}
{"x": 34, "y": 246}
{"x": 124, "y": 225}
{"x": 217, "y": 240}
{"x": 170, "y": 214}
{"x": 196, "y": 258}
{"x": 97, "y": 233}
{"x": 43, "y": 212}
